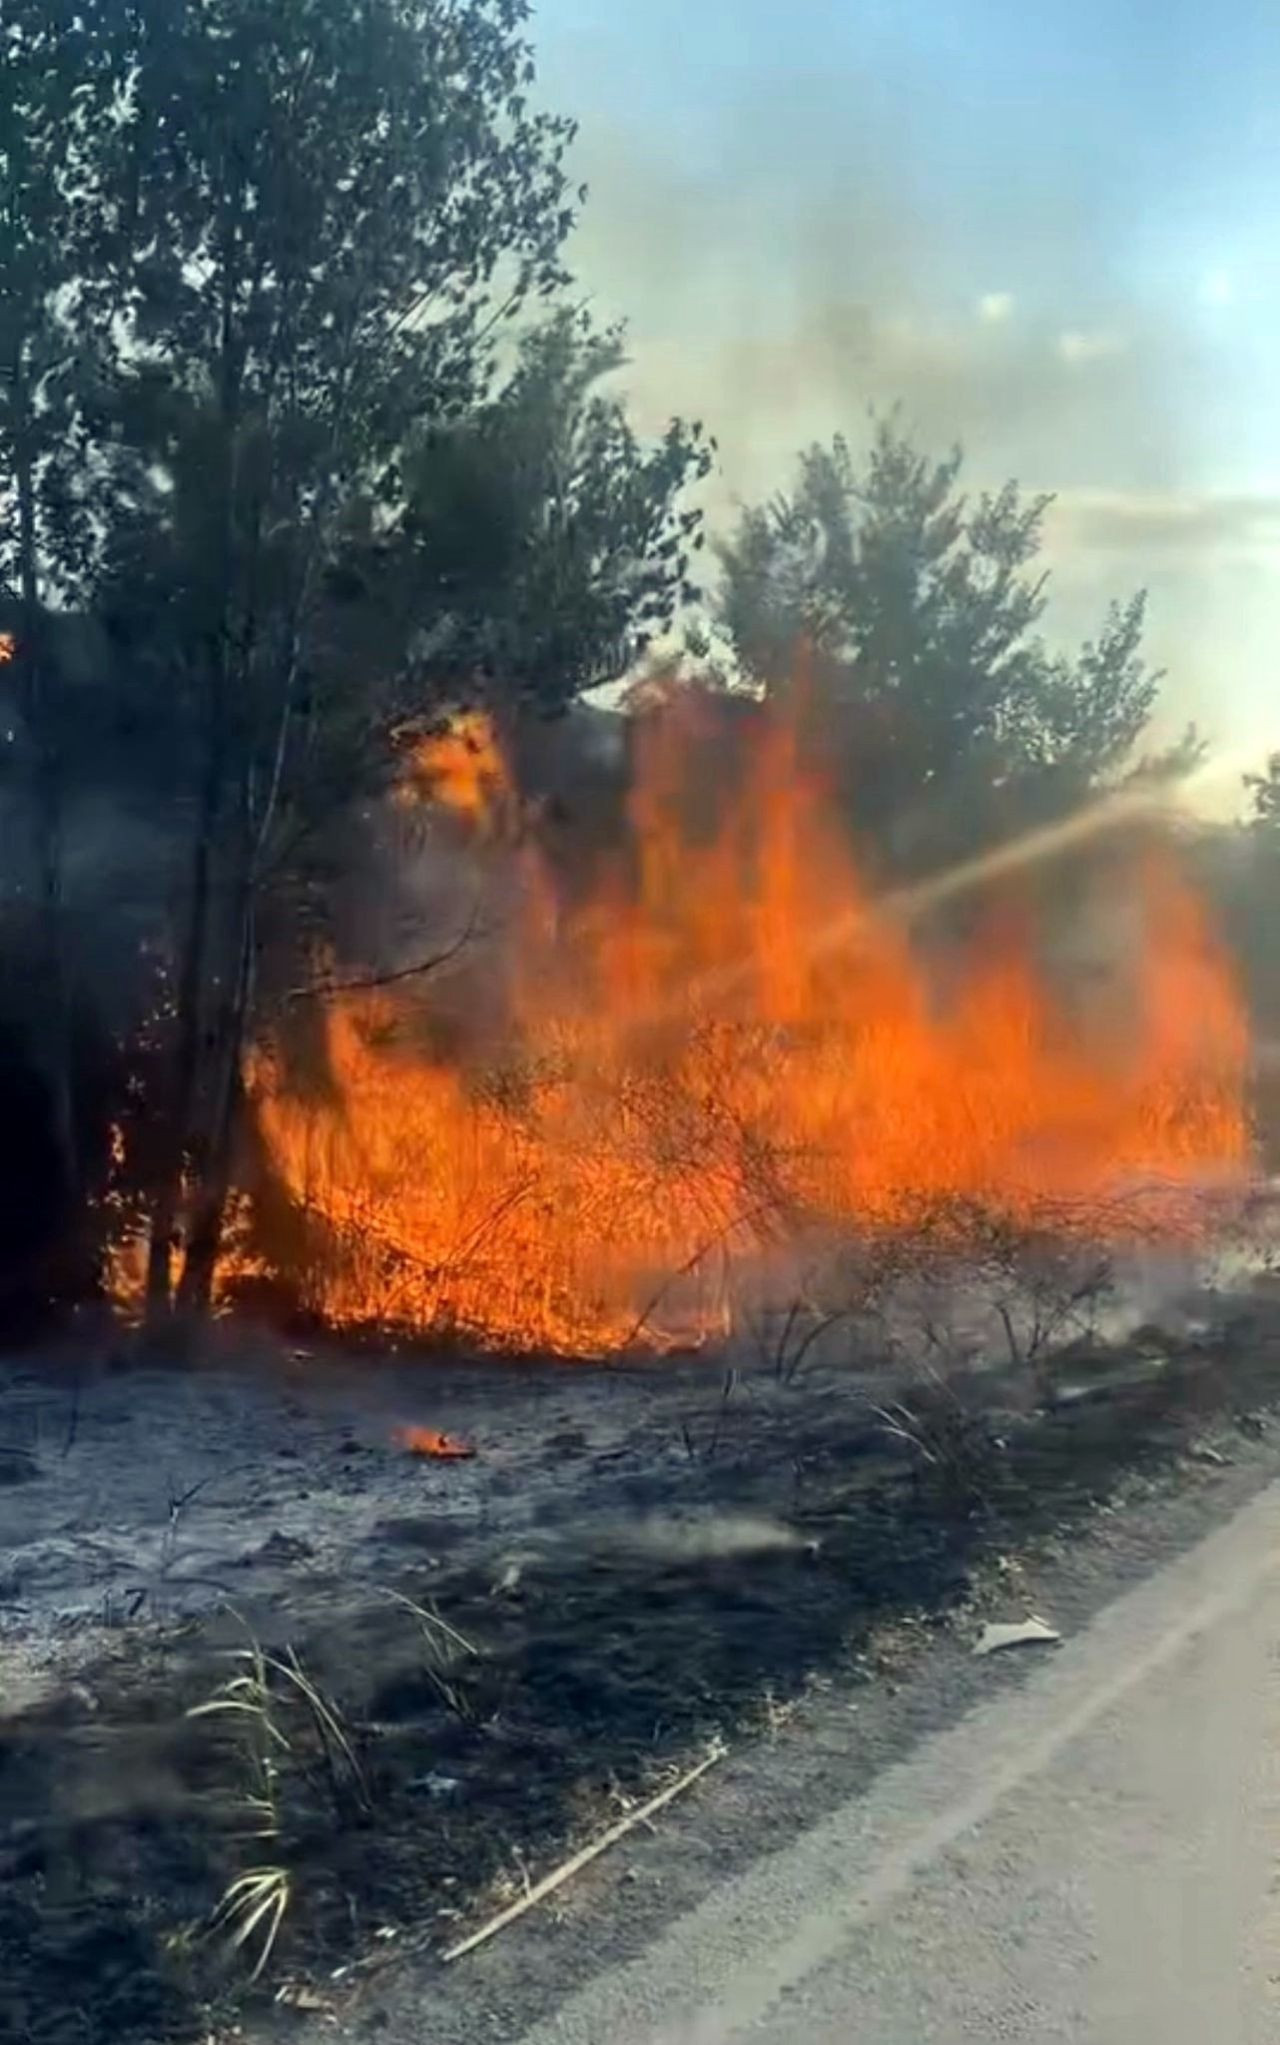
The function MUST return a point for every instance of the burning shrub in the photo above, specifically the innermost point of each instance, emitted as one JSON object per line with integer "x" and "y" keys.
{"x": 725, "y": 1045}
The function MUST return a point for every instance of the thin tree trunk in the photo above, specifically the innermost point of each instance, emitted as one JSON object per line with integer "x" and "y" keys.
{"x": 179, "y": 1110}
{"x": 204, "y": 1245}
{"x": 195, "y": 1289}
{"x": 54, "y": 1034}
{"x": 183, "y": 1103}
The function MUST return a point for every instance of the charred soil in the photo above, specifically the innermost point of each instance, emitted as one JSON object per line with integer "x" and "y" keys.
{"x": 632, "y": 1563}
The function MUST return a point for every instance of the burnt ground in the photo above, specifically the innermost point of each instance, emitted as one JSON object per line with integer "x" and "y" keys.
{"x": 640, "y": 1558}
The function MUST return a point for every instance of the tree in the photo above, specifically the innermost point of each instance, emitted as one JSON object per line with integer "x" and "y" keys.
{"x": 1264, "y": 801}
{"x": 60, "y": 83}
{"x": 1238, "y": 866}
{"x": 335, "y": 208}
{"x": 918, "y": 610}
{"x": 1253, "y": 904}
{"x": 543, "y": 545}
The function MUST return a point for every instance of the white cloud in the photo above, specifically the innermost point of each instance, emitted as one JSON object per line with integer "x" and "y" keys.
{"x": 1079, "y": 345}
{"x": 994, "y": 307}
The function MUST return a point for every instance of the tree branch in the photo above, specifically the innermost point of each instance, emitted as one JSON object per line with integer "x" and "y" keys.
{"x": 321, "y": 989}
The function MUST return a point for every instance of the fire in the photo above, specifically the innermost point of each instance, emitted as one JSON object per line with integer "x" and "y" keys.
{"x": 427, "y": 1441}
{"x": 461, "y": 768}
{"x": 718, "y": 1045}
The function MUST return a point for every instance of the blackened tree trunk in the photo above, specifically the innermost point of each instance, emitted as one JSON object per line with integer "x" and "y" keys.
{"x": 53, "y": 1033}
{"x": 204, "y": 1242}
{"x": 183, "y": 1149}
{"x": 218, "y": 1141}
{"x": 179, "y": 1107}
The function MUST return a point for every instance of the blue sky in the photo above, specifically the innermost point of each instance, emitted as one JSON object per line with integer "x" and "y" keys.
{"x": 1048, "y": 230}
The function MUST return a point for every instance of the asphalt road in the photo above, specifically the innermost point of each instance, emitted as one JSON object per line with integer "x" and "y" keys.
{"x": 1094, "y": 1855}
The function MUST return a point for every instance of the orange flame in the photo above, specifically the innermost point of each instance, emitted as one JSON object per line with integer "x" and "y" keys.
{"x": 725, "y": 1045}
{"x": 427, "y": 1441}
{"x": 461, "y": 768}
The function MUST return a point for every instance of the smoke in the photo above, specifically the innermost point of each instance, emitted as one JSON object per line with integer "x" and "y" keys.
{"x": 701, "y": 2030}
{"x": 714, "y": 1540}
{"x": 117, "y": 868}
{"x": 822, "y": 234}
{"x": 659, "y": 1539}
{"x": 810, "y": 268}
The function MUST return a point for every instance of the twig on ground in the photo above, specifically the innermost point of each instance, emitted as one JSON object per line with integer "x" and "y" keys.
{"x": 586, "y": 1854}
{"x": 178, "y": 1503}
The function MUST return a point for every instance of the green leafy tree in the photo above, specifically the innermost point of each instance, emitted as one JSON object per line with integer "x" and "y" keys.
{"x": 1255, "y": 921}
{"x": 1264, "y": 802}
{"x": 1238, "y": 865}
{"x": 334, "y": 210}
{"x": 540, "y": 545}
{"x": 61, "y": 80}
{"x": 918, "y": 611}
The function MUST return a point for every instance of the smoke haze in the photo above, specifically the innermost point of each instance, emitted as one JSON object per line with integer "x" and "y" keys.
{"x": 1029, "y": 233}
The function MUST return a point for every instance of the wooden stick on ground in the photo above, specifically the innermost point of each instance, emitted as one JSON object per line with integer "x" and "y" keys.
{"x": 574, "y": 1865}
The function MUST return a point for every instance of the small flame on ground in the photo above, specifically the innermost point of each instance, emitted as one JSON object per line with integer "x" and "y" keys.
{"x": 427, "y": 1441}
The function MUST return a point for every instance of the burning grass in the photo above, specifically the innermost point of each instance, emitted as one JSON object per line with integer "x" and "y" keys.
{"x": 713, "y": 1049}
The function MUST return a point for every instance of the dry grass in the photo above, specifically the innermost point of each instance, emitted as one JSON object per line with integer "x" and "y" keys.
{"x": 446, "y": 1654}
{"x": 264, "y": 1696}
{"x": 256, "y": 1901}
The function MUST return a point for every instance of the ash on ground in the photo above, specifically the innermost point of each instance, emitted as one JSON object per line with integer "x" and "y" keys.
{"x": 636, "y": 1555}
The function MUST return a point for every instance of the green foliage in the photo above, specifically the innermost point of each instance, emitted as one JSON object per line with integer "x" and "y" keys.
{"x": 919, "y": 611}
{"x": 539, "y": 545}
{"x": 339, "y": 506}
{"x": 301, "y": 446}
{"x": 305, "y": 441}
{"x": 60, "y": 81}
{"x": 1264, "y": 801}
{"x": 325, "y": 201}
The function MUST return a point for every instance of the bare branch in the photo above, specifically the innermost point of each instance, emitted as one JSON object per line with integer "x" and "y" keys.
{"x": 321, "y": 989}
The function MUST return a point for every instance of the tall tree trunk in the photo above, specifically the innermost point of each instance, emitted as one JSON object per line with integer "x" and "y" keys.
{"x": 195, "y": 1289}
{"x": 186, "y": 1089}
{"x": 204, "y": 1243}
{"x": 54, "y": 1031}
{"x": 179, "y": 1109}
